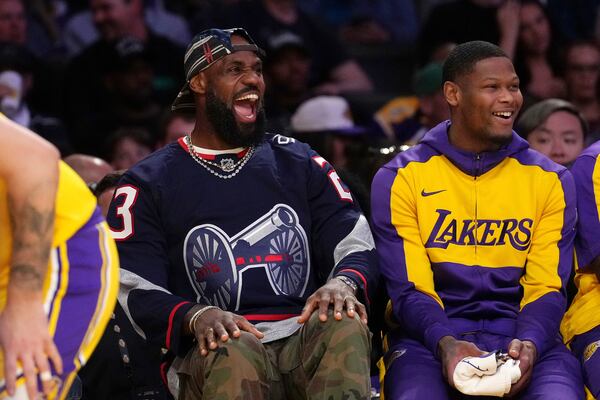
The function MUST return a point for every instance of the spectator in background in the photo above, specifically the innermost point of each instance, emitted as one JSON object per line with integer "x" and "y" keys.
{"x": 13, "y": 22}
{"x": 441, "y": 51}
{"x": 574, "y": 19}
{"x": 24, "y": 28}
{"x": 116, "y": 20}
{"x": 80, "y": 32}
{"x": 19, "y": 28}
{"x": 582, "y": 70}
{"x": 332, "y": 71}
{"x": 555, "y": 128}
{"x": 127, "y": 74}
{"x": 368, "y": 21}
{"x": 326, "y": 124}
{"x": 203, "y": 14}
{"x": 127, "y": 146}
{"x": 91, "y": 169}
{"x": 535, "y": 58}
{"x": 462, "y": 20}
{"x": 174, "y": 126}
{"x": 287, "y": 75}
{"x": 406, "y": 119}
{"x": 17, "y": 84}
{"x": 105, "y": 189}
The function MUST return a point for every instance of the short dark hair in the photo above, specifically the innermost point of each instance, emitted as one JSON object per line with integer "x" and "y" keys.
{"x": 169, "y": 116}
{"x": 110, "y": 180}
{"x": 462, "y": 59}
{"x": 574, "y": 44}
{"x": 139, "y": 135}
{"x": 538, "y": 113}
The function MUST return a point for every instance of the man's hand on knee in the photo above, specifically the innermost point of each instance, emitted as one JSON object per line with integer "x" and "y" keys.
{"x": 451, "y": 351}
{"x": 210, "y": 324}
{"x": 526, "y": 352}
{"x": 337, "y": 293}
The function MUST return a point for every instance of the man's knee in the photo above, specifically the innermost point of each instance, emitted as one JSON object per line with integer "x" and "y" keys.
{"x": 345, "y": 342}
{"x": 556, "y": 375}
{"x": 242, "y": 360}
{"x": 242, "y": 352}
{"x": 401, "y": 382}
{"x": 334, "y": 331}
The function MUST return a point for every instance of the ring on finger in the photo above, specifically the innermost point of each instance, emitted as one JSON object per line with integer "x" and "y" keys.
{"x": 45, "y": 376}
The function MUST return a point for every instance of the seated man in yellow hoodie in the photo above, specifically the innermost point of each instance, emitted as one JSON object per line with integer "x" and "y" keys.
{"x": 581, "y": 325}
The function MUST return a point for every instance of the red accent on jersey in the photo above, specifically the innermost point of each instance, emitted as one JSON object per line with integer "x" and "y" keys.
{"x": 170, "y": 326}
{"x": 321, "y": 162}
{"x": 181, "y": 142}
{"x": 209, "y": 157}
{"x": 163, "y": 373}
{"x": 362, "y": 278}
{"x": 274, "y": 258}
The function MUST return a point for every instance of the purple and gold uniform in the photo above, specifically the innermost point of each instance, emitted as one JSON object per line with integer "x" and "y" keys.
{"x": 478, "y": 247}
{"x": 581, "y": 324}
{"x": 81, "y": 284}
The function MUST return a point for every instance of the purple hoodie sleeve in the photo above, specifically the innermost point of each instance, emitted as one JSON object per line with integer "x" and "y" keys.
{"x": 415, "y": 305}
{"x": 539, "y": 318}
{"x": 587, "y": 245}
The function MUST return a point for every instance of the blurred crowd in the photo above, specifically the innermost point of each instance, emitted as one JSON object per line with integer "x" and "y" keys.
{"x": 98, "y": 77}
{"x": 359, "y": 80}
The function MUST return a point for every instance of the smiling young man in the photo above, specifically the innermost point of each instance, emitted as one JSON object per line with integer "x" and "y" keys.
{"x": 243, "y": 253}
{"x": 475, "y": 236}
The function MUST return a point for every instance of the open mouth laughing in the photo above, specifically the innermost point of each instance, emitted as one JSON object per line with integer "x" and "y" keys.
{"x": 245, "y": 106}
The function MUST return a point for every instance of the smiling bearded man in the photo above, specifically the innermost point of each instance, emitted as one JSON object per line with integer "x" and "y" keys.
{"x": 243, "y": 252}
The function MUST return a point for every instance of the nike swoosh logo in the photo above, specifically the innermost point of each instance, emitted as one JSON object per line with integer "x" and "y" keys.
{"x": 425, "y": 194}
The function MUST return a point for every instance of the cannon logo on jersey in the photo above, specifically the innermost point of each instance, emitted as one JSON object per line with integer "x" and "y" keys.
{"x": 480, "y": 232}
{"x": 276, "y": 242}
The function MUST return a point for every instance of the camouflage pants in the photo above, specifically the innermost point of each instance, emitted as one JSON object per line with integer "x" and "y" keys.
{"x": 322, "y": 360}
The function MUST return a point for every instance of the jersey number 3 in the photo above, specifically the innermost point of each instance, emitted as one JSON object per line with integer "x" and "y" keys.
{"x": 124, "y": 211}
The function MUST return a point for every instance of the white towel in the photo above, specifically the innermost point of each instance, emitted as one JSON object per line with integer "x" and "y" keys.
{"x": 486, "y": 375}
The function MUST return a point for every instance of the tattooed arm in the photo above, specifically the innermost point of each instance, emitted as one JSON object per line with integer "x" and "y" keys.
{"x": 29, "y": 169}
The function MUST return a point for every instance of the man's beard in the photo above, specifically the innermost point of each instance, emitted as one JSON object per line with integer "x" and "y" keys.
{"x": 228, "y": 129}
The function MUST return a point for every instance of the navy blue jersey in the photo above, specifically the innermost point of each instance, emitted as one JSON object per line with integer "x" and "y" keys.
{"x": 257, "y": 244}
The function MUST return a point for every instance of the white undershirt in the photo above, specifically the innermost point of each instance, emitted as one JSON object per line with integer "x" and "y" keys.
{"x": 202, "y": 150}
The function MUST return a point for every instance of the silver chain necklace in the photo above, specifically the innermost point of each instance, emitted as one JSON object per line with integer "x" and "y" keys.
{"x": 227, "y": 165}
